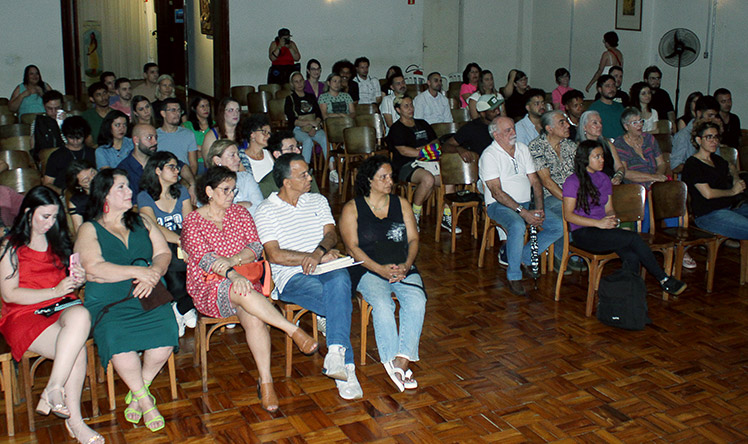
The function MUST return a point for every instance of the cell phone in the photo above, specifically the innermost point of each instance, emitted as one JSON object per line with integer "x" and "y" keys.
{"x": 75, "y": 260}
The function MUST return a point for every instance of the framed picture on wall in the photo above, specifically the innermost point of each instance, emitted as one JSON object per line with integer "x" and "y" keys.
{"x": 629, "y": 15}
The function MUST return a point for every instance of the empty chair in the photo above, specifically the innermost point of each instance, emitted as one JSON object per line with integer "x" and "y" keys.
{"x": 270, "y": 89}
{"x": 730, "y": 155}
{"x": 16, "y": 129}
{"x": 334, "y": 127}
{"x": 372, "y": 121}
{"x": 7, "y": 119}
{"x": 282, "y": 94}
{"x": 28, "y": 118}
{"x": 44, "y": 158}
{"x": 257, "y": 102}
{"x": 360, "y": 142}
{"x": 239, "y": 93}
{"x": 21, "y": 179}
{"x": 366, "y": 108}
{"x": 454, "y": 171}
{"x": 22, "y": 143}
{"x": 17, "y": 159}
{"x": 461, "y": 115}
{"x": 278, "y": 119}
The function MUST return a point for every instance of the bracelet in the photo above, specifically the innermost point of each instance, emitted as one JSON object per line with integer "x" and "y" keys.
{"x": 324, "y": 250}
{"x": 240, "y": 258}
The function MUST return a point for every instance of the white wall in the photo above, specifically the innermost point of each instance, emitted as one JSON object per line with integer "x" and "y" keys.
{"x": 22, "y": 44}
{"x": 388, "y": 32}
{"x": 200, "y": 50}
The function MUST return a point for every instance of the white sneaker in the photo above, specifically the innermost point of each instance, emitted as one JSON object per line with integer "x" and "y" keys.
{"x": 180, "y": 319}
{"x": 334, "y": 365}
{"x": 190, "y": 318}
{"x": 230, "y": 326}
{"x": 334, "y": 178}
{"x": 350, "y": 389}
{"x": 322, "y": 325}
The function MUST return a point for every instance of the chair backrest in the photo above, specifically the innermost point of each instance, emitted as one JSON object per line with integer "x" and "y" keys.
{"x": 412, "y": 91}
{"x": 372, "y": 121}
{"x": 22, "y": 143}
{"x": 662, "y": 127}
{"x": 455, "y": 171}
{"x": 4, "y": 101}
{"x": 461, "y": 115}
{"x": 454, "y": 90}
{"x": 257, "y": 102}
{"x": 666, "y": 200}
{"x": 366, "y": 108}
{"x": 44, "y": 158}
{"x": 28, "y": 118}
{"x": 729, "y": 154}
{"x": 21, "y": 179}
{"x": 271, "y": 88}
{"x": 275, "y": 108}
{"x": 743, "y": 157}
{"x": 282, "y": 94}
{"x": 360, "y": 140}
{"x": 7, "y": 119}
{"x": 334, "y": 127}
{"x": 664, "y": 142}
{"x": 239, "y": 93}
{"x": 628, "y": 202}
{"x": 442, "y": 129}
{"x": 17, "y": 159}
{"x": 15, "y": 129}
{"x": 454, "y": 103}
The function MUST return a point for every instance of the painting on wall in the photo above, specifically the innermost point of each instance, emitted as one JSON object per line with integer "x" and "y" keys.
{"x": 629, "y": 15}
{"x": 206, "y": 18}
{"x": 91, "y": 50}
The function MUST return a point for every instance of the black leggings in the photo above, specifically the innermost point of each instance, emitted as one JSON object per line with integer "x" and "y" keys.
{"x": 627, "y": 244}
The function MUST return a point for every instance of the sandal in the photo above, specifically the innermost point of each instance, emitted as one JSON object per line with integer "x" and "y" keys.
{"x": 44, "y": 406}
{"x": 93, "y": 437}
{"x": 396, "y": 374}
{"x": 688, "y": 262}
{"x": 268, "y": 398}
{"x": 306, "y": 343}
{"x": 136, "y": 414}
{"x": 410, "y": 382}
{"x": 156, "y": 418}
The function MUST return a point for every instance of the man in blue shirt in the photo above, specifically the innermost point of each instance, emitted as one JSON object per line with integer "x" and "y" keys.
{"x": 610, "y": 111}
{"x": 174, "y": 138}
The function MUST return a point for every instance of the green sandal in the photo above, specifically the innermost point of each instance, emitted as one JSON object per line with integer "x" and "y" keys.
{"x": 154, "y": 419}
{"x": 128, "y": 400}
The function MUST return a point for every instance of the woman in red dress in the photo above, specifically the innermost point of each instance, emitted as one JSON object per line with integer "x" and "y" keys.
{"x": 217, "y": 237}
{"x": 34, "y": 264}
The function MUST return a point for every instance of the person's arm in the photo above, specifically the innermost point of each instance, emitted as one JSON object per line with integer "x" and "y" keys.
{"x": 453, "y": 146}
{"x": 387, "y": 119}
{"x": 323, "y": 110}
{"x": 738, "y": 186}
{"x": 509, "y": 87}
{"x": 603, "y": 61}
{"x": 77, "y": 219}
{"x": 325, "y": 252}
{"x": 466, "y": 95}
{"x": 12, "y": 293}
{"x": 618, "y": 166}
{"x": 49, "y": 181}
{"x": 294, "y": 51}
{"x": 545, "y": 179}
{"x": 274, "y": 51}
{"x": 409, "y": 151}
{"x": 662, "y": 167}
{"x": 472, "y": 108}
{"x": 349, "y": 233}
{"x": 640, "y": 177}
{"x": 537, "y": 191}
{"x": 188, "y": 180}
{"x": 494, "y": 186}
{"x": 192, "y": 159}
{"x": 170, "y": 236}
{"x": 351, "y": 108}
{"x": 609, "y": 221}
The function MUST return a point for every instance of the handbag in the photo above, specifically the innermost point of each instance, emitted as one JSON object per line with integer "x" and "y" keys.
{"x": 432, "y": 151}
{"x": 255, "y": 272}
{"x": 622, "y": 301}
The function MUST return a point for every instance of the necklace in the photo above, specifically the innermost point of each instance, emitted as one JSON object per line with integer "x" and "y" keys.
{"x": 386, "y": 202}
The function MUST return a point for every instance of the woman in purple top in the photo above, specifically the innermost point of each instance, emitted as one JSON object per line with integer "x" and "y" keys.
{"x": 589, "y": 210}
{"x": 312, "y": 83}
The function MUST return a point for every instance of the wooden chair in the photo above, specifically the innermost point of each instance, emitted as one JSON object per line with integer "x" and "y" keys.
{"x": 206, "y": 326}
{"x": 372, "y": 121}
{"x": 257, "y": 102}
{"x": 454, "y": 171}
{"x": 19, "y": 143}
{"x": 4, "y": 101}
{"x": 366, "y": 108}
{"x": 282, "y": 94}
{"x": 743, "y": 256}
{"x": 730, "y": 155}
{"x": 10, "y": 386}
{"x": 27, "y": 118}
{"x": 669, "y": 200}
{"x": 21, "y": 179}
{"x": 334, "y": 127}
{"x": 7, "y": 119}
{"x": 270, "y": 89}
{"x": 110, "y": 382}
{"x": 446, "y": 128}
{"x": 293, "y": 313}
{"x": 239, "y": 93}
{"x": 461, "y": 115}
{"x": 360, "y": 142}
{"x": 44, "y": 158}
{"x": 489, "y": 231}
{"x": 365, "y": 316}
{"x": 586, "y": 104}
{"x": 17, "y": 159}
{"x": 453, "y": 92}
{"x": 412, "y": 91}
{"x": 662, "y": 127}
{"x": 15, "y": 129}
{"x": 454, "y": 103}
{"x": 743, "y": 158}
{"x": 278, "y": 119}
{"x": 665, "y": 142}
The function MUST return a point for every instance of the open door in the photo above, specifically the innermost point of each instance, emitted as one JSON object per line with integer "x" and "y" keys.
{"x": 170, "y": 37}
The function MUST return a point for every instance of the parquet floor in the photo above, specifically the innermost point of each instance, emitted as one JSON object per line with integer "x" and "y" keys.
{"x": 494, "y": 368}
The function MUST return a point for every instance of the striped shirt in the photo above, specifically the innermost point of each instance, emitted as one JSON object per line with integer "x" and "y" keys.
{"x": 295, "y": 228}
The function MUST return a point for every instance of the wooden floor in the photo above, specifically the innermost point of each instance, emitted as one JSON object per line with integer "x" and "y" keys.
{"x": 494, "y": 368}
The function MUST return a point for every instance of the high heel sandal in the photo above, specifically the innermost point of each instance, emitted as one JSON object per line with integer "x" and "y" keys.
{"x": 93, "y": 439}
{"x": 306, "y": 343}
{"x": 137, "y": 414}
{"x": 266, "y": 393}
{"x": 44, "y": 406}
{"x": 155, "y": 418}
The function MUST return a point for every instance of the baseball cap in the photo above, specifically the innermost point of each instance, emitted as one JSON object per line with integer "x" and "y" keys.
{"x": 487, "y": 102}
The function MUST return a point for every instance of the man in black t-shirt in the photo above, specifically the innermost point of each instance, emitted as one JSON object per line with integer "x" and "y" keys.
{"x": 473, "y": 137}
{"x": 75, "y": 129}
{"x": 730, "y": 122}
{"x": 660, "y": 98}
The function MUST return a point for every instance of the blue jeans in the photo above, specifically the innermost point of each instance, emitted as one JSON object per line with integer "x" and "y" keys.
{"x": 727, "y": 222}
{"x": 552, "y": 205}
{"x": 328, "y": 295}
{"x": 307, "y": 142}
{"x": 376, "y": 292}
{"x": 517, "y": 252}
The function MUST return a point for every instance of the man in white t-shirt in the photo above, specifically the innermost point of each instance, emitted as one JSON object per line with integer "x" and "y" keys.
{"x": 431, "y": 105}
{"x": 369, "y": 90}
{"x": 387, "y": 108}
{"x": 508, "y": 173}
{"x": 297, "y": 229}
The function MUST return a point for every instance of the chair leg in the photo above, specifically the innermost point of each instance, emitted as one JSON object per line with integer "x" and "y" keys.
{"x": 110, "y": 386}
{"x": 203, "y": 341}
{"x": 26, "y": 380}
{"x": 668, "y": 267}
{"x": 196, "y": 353}
{"x": 289, "y": 356}
{"x": 743, "y": 261}
{"x": 172, "y": 377}
{"x": 712, "y": 255}
{"x": 560, "y": 278}
{"x": 91, "y": 365}
{"x": 8, "y": 386}
{"x": 364, "y": 328}
{"x": 591, "y": 287}
{"x": 484, "y": 242}
{"x": 680, "y": 251}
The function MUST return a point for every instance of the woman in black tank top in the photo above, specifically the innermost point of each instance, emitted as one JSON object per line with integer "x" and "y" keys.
{"x": 379, "y": 229}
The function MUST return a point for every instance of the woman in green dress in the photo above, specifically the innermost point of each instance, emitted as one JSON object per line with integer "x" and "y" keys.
{"x": 120, "y": 250}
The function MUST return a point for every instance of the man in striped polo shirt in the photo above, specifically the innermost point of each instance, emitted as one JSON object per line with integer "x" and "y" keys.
{"x": 297, "y": 229}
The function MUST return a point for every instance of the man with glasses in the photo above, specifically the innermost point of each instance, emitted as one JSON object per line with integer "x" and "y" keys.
{"x": 297, "y": 230}
{"x": 529, "y": 127}
{"x": 174, "y": 138}
{"x": 707, "y": 108}
{"x": 281, "y": 142}
{"x": 509, "y": 178}
{"x": 660, "y": 98}
{"x": 610, "y": 111}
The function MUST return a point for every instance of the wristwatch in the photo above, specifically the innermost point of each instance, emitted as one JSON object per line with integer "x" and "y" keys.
{"x": 519, "y": 209}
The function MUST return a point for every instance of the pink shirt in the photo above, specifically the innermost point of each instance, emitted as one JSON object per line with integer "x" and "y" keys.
{"x": 466, "y": 88}
{"x": 557, "y": 94}
{"x": 120, "y": 107}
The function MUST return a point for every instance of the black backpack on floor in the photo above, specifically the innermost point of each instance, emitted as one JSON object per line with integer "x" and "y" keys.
{"x": 622, "y": 301}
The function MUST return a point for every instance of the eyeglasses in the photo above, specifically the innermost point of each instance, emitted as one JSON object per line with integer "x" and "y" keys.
{"x": 226, "y": 190}
{"x": 636, "y": 122}
{"x": 263, "y": 131}
{"x": 172, "y": 167}
{"x": 716, "y": 137}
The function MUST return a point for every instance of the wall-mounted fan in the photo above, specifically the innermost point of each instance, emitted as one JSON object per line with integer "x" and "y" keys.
{"x": 679, "y": 47}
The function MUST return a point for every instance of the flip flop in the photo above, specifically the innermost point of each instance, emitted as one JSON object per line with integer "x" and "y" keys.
{"x": 393, "y": 373}
{"x": 410, "y": 383}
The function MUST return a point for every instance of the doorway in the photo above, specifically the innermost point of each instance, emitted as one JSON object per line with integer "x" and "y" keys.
{"x": 170, "y": 38}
